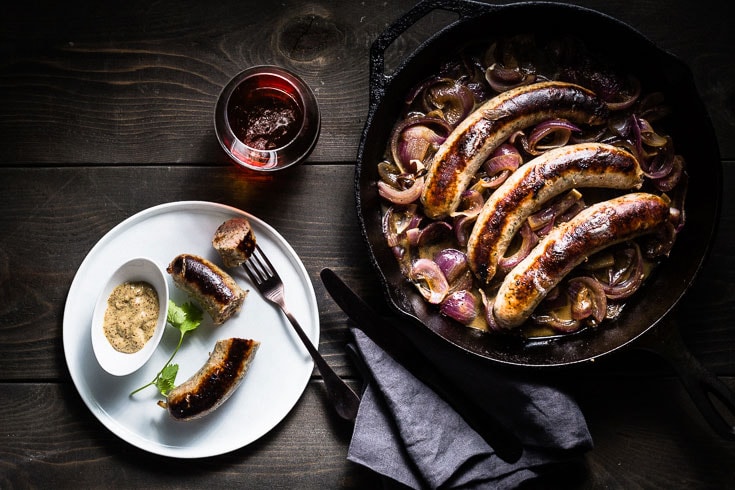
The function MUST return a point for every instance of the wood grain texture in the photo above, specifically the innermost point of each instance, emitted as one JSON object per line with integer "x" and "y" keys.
{"x": 106, "y": 110}
{"x": 138, "y": 83}
{"x": 52, "y": 440}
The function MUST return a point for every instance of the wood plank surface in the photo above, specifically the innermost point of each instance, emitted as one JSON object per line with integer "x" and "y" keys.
{"x": 106, "y": 110}
{"x": 51, "y": 440}
{"x": 138, "y": 83}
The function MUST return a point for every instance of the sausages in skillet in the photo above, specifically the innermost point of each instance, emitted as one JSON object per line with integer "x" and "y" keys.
{"x": 477, "y": 136}
{"x": 569, "y": 244}
{"x": 544, "y": 177}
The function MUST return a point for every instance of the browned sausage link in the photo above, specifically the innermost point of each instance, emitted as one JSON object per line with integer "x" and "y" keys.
{"x": 215, "y": 382}
{"x": 475, "y": 138}
{"x": 211, "y": 287}
{"x": 569, "y": 244}
{"x": 523, "y": 193}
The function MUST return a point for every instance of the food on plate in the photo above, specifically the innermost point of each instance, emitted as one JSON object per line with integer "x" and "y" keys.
{"x": 566, "y": 246}
{"x": 215, "y": 381}
{"x": 466, "y": 148}
{"x": 509, "y": 149}
{"x": 235, "y": 241}
{"x": 131, "y": 316}
{"x": 185, "y": 318}
{"x": 210, "y": 286}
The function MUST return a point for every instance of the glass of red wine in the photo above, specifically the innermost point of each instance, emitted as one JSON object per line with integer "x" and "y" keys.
{"x": 267, "y": 118}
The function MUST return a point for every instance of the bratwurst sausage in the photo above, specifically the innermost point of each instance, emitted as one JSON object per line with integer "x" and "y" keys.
{"x": 479, "y": 134}
{"x": 211, "y": 287}
{"x": 569, "y": 244}
{"x": 215, "y": 382}
{"x": 544, "y": 177}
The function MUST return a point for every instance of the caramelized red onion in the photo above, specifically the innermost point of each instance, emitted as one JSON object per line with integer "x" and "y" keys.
{"x": 461, "y": 306}
{"x": 452, "y": 98}
{"x": 404, "y": 187}
{"x": 401, "y": 196}
{"x": 626, "y": 276}
{"x": 397, "y": 221}
{"x": 453, "y": 264}
{"x": 588, "y": 299}
{"x": 417, "y": 138}
{"x": 560, "y": 210}
{"x": 556, "y": 322}
{"x": 660, "y": 243}
{"x": 470, "y": 204}
{"x": 626, "y": 98}
{"x": 549, "y": 134}
{"x": 463, "y": 229}
{"x": 433, "y": 233}
{"x": 675, "y": 170}
{"x": 502, "y": 78}
{"x": 488, "y": 303}
{"x": 528, "y": 241}
{"x": 429, "y": 280}
{"x": 503, "y": 162}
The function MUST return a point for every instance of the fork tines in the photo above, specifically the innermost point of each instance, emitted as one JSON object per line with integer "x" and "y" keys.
{"x": 256, "y": 268}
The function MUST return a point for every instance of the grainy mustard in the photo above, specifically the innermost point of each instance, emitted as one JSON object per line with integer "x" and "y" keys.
{"x": 131, "y": 316}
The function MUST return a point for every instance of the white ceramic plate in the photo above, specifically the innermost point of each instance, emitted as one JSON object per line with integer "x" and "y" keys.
{"x": 277, "y": 376}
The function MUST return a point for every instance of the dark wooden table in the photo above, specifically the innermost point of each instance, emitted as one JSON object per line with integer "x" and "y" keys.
{"x": 106, "y": 109}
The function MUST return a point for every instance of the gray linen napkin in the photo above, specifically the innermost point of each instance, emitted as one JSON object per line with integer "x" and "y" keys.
{"x": 408, "y": 433}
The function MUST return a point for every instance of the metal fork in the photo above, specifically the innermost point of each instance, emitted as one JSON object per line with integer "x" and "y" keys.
{"x": 269, "y": 283}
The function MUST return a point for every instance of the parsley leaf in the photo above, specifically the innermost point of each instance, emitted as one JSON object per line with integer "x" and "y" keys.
{"x": 166, "y": 380}
{"x": 185, "y": 318}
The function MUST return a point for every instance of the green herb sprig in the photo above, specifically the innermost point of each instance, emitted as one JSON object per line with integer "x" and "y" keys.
{"x": 185, "y": 318}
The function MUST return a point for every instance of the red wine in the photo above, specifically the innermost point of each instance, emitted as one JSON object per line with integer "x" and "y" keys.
{"x": 264, "y": 117}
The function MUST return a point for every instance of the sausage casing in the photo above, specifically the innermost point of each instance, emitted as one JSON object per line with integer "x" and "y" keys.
{"x": 210, "y": 286}
{"x": 544, "y": 177}
{"x": 569, "y": 244}
{"x": 477, "y": 136}
{"x": 215, "y": 382}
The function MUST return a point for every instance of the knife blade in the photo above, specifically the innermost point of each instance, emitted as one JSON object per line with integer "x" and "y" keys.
{"x": 398, "y": 346}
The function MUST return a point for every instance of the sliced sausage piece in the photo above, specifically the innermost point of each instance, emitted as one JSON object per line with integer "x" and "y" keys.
{"x": 234, "y": 240}
{"x": 568, "y": 245}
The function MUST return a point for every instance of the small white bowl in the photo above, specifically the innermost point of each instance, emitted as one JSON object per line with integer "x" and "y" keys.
{"x": 113, "y": 361}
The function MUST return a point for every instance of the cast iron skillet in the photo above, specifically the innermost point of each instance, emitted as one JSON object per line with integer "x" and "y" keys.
{"x": 647, "y": 313}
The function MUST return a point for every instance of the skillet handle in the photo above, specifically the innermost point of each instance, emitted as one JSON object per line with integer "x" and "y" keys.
{"x": 378, "y": 77}
{"x": 701, "y": 384}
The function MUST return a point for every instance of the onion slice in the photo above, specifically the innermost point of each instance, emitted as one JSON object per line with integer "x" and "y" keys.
{"x": 624, "y": 281}
{"x": 405, "y": 196}
{"x": 461, "y": 306}
{"x": 588, "y": 299}
{"x": 528, "y": 241}
{"x": 416, "y": 138}
{"x": 429, "y": 280}
{"x": 549, "y": 134}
